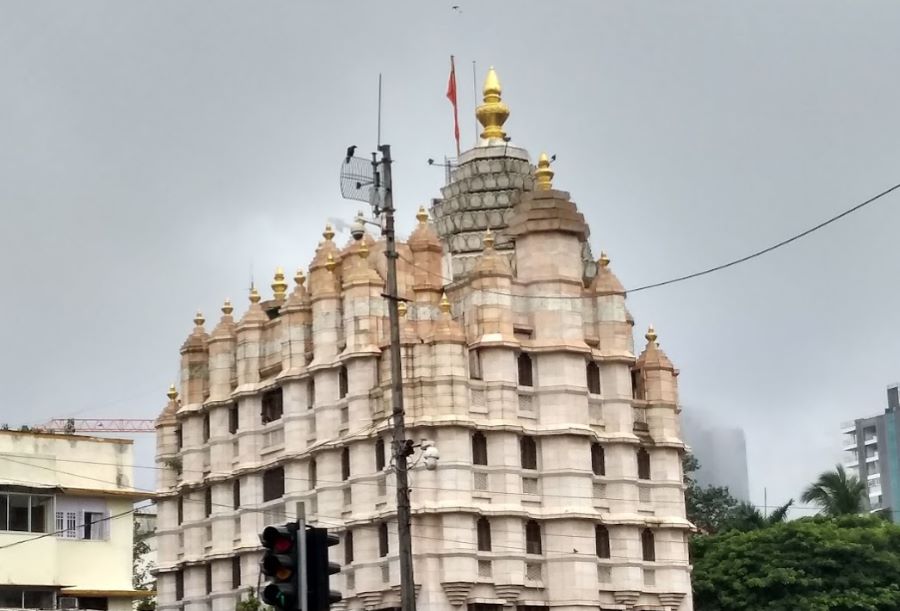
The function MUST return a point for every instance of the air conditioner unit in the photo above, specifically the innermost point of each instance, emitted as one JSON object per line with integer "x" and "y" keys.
{"x": 67, "y": 602}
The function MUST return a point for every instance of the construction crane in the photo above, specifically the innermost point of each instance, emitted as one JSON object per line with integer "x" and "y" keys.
{"x": 98, "y": 425}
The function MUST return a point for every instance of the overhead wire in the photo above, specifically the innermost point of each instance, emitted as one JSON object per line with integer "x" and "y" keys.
{"x": 696, "y": 274}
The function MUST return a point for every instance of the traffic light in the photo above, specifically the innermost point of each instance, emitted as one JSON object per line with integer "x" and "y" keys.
{"x": 281, "y": 565}
{"x": 320, "y": 596}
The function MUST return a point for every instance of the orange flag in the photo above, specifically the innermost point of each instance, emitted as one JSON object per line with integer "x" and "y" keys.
{"x": 451, "y": 95}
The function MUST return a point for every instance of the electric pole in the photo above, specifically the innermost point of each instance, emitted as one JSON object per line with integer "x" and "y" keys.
{"x": 370, "y": 181}
{"x": 402, "y": 447}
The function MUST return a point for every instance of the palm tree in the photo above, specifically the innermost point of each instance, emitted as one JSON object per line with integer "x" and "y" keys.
{"x": 747, "y": 517}
{"x": 837, "y": 493}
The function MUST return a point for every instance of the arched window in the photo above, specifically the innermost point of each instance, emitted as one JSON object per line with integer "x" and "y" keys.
{"x": 479, "y": 448}
{"x": 601, "y": 535}
{"x": 593, "y": 378}
{"x": 382, "y": 540}
{"x": 379, "y": 454}
{"x": 533, "y": 538}
{"x": 310, "y": 394}
{"x": 598, "y": 459}
{"x": 483, "y": 529}
{"x": 343, "y": 382}
{"x": 648, "y": 545}
{"x": 526, "y": 370}
{"x": 345, "y": 463}
{"x": 312, "y": 474}
{"x": 528, "y": 452}
{"x": 643, "y": 464}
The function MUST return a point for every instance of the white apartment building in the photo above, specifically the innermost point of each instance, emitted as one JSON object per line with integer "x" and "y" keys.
{"x": 559, "y": 482}
{"x": 66, "y": 522}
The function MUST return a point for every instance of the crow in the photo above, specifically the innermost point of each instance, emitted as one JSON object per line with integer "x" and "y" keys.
{"x": 351, "y": 150}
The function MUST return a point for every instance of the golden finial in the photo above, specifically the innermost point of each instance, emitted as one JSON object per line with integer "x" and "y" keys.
{"x": 445, "y": 304}
{"x": 401, "y": 308}
{"x": 422, "y": 215}
{"x": 330, "y": 264}
{"x": 363, "y": 250}
{"x": 198, "y": 318}
{"x": 299, "y": 277}
{"x": 603, "y": 261}
{"x": 227, "y": 309}
{"x": 488, "y": 239}
{"x": 173, "y": 393}
{"x": 279, "y": 286}
{"x": 543, "y": 175}
{"x": 254, "y": 295}
{"x": 329, "y": 232}
{"x": 651, "y": 334}
{"x": 492, "y": 114}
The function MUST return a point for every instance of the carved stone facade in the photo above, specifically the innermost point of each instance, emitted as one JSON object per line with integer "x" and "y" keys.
{"x": 559, "y": 482}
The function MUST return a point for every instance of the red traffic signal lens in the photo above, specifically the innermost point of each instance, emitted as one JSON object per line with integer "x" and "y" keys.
{"x": 278, "y": 539}
{"x": 282, "y": 544}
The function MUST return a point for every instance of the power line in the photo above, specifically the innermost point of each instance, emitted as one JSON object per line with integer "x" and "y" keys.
{"x": 704, "y": 272}
{"x": 369, "y": 483}
{"x": 768, "y": 249}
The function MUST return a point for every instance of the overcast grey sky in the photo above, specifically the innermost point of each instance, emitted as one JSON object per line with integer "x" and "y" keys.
{"x": 154, "y": 153}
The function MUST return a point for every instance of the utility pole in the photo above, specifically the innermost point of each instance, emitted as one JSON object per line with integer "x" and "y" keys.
{"x": 370, "y": 181}
{"x": 402, "y": 447}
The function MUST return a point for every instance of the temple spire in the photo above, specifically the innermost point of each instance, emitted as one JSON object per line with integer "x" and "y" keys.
{"x": 493, "y": 113}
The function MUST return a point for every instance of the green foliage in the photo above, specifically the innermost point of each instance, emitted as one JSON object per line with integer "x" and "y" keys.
{"x": 139, "y": 573}
{"x": 837, "y": 493}
{"x": 251, "y": 603}
{"x": 849, "y": 563}
{"x": 707, "y": 508}
{"x": 174, "y": 463}
{"x": 745, "y": 517}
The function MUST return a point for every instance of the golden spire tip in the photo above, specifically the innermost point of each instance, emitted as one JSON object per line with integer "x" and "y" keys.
{"x": 493, "y": 113}
{"x": 329, "y": 232}
{"x": 401, "y": 308}
{"x": 330, "y": 264}
{"x": 299, "y": 277}
{"x": 543, "y": 175}
{"x": 279, "y": 286}
{"x": 227, "y": 308}
{"x": 445, "y": 304}
{"x": 422, "y": 215}
{"x": 603, "y": 261}
{"x": 199, "y": 319}
{"x": 254, "y": 295}
{"x": 651, "y": 334}
{"x": 173, "y": 393}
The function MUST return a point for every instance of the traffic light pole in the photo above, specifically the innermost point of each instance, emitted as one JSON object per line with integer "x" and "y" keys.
{"x": 303, "y": 581}
{"x": 401, "y": 446}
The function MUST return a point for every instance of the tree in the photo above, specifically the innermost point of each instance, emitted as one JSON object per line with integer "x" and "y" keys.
{"x": 710, "y": 507}
{"x": 850, "y": 563}
{"x": 251, "y": 603}
{"x": 746, "y": 517}
{"x": 140, "y": 569}
{"x": 837, "y": 493}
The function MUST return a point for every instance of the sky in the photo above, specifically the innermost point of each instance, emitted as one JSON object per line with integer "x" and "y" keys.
{"x": 155, "y": 156}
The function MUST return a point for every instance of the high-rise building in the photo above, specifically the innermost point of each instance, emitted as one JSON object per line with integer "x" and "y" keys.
{"x": 66, "y": 523}
{"x": 721, "y": 451}
{"x": 559, "y": 482}
{"x": 871, "y": 453}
